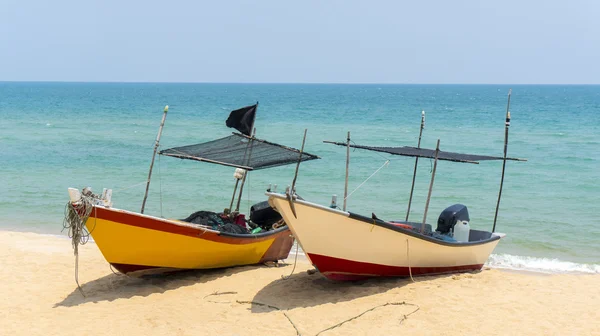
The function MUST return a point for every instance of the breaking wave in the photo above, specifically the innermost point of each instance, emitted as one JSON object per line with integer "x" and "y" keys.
{"x": 542, "y": 265}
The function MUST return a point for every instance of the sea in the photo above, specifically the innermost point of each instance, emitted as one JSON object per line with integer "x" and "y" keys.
{"x": 59, "y": 135}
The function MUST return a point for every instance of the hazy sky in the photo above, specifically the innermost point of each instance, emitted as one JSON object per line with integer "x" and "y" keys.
{"x": 436, "y": 41}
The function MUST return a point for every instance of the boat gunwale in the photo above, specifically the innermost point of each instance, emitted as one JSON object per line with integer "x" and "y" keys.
{"x": 392, "y": 227}
{"x": 183, "y": 224}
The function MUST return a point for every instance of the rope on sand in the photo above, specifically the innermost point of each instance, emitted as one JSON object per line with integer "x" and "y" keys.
{"x": 272, "y": 307}
{"x": 219, "y": 293}
{"x": 403, "y": 303}
{"x": 253, "y": 303}
{"x": 404, "y": 317}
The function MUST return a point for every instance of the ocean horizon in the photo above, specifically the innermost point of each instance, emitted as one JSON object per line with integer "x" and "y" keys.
{"x": 56, "y": 135}
{"x": 284, "y": 83}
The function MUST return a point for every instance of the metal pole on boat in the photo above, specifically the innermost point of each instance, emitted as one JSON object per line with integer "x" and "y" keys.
{"x": 291, "y": 192}
{"x": 237, "y": 207}
{"x": 435, "y": 160}
{"x": 412, "y": 188}
{"x": 506, "y": 126}
{"x": 162, "y": 123}
{"x": 347, "y": 169}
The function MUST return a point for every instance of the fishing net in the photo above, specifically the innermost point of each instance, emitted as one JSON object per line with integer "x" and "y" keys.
{"x": 216, "y": 221}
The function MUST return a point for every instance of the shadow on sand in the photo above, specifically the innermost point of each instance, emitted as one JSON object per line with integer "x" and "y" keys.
{"x": 303, "y": 290}
{"x": 119, "y": 286}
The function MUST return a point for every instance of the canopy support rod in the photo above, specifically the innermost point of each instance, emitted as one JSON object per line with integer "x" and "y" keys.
{"x": 162, "y": 124}
{"x": 299, "y": 160}
{"x": 237, "y": 207}
{"x": 437, "y": 150}
{"x": 291, "y": 192}
{"x": 412, "y": 188}
{"x": 347, "y": 169}
{"x": 506, "y": 126}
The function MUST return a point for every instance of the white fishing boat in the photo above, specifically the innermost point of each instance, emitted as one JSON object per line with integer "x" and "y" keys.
{"x": 343, "y": 245}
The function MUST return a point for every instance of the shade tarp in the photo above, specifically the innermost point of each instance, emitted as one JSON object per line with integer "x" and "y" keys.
{"x": 428, "y": 153}
{"x": 240, "y": 151}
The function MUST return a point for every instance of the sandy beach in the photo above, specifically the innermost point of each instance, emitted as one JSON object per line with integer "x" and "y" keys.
{"x": 40, "y": 297}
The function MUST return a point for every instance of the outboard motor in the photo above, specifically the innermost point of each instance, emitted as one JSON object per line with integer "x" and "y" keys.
{"x": 263, "y": 215}
{"x": 450, "y": 215}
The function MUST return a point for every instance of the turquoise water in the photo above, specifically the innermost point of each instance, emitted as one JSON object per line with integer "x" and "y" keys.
{"x": 59, "y": 135}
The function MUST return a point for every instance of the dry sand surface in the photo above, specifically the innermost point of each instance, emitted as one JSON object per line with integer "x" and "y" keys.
{"x": 39, "y": 297}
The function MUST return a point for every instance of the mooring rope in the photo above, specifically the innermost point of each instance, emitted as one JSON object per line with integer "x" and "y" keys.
{"x": 408, "y": 260}
{"x": 295, "y": 262}
{"x": 368, "y": 178}
{"x": 132, "y": 186}
{"x": 74, "y": 222}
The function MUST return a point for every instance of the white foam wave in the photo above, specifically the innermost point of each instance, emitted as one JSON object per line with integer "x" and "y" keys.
{"x": 542, "y": 265}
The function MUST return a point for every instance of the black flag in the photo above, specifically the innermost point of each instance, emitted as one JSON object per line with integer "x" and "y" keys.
{"x": 242, "y": 119}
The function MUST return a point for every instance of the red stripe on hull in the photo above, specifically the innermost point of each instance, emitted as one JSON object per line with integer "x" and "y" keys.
{"x": 348, "y": 270}
{"x": 150, "y": 223}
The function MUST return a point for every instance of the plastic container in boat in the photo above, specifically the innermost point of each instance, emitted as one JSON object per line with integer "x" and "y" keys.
{"x": 333, "y": 204}
{"x": 74, "y": 195}
{"x": 240, "y": 220}
{"x": 461, "y": 231}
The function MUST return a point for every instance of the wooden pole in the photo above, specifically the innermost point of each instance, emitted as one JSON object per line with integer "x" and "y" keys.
{"x": 252, "y": 135}
{"x": 233, "y": 195}
{"x": 412, "y": 188}
{"x": 290, "y": 194}
{"x": 347, "y": 169}
{"x": 299, "y": 160}
{"x": 162, "y": 124}
{"x": 435, "y": 160}
{"x": 506, "y": 126}
{"x": 237, "y": 207}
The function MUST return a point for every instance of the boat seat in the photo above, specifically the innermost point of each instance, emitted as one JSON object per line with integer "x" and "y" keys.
{"x": 477, "y": 235}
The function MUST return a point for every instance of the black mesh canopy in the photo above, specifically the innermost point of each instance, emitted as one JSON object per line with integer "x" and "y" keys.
{"x": 428, "y": 153}
{"x": 240, "y": 151}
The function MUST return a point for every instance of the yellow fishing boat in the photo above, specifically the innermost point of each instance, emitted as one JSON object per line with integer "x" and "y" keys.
{"x": 135, "y": 243}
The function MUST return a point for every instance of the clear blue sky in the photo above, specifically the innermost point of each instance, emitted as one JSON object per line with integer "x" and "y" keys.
{"x": 436, "y": 41}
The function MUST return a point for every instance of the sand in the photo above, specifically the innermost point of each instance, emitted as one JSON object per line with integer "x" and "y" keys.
{"x": 39, "y": 297}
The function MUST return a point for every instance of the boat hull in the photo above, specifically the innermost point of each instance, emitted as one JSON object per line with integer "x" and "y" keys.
{"x": 344, "y": 246}
{"x": 135, "y": 243}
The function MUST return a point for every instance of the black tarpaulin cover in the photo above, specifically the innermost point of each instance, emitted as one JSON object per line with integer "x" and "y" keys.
{"x": 428, "y": 153}
{"x": 242, "y": 119}
{"x": 235, "y": 151}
